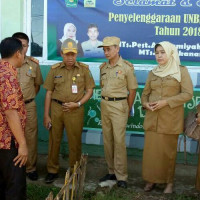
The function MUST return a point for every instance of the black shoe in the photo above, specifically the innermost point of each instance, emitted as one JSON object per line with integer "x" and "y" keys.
{"x": 108, "y": 177}
{"x": 32, "y": 175}
{"x": 50, "y": 178}
{"x": 122, "y": 184}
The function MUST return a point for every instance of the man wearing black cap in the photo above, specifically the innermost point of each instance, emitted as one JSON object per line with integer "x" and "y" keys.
{"x": 69, "y": 85}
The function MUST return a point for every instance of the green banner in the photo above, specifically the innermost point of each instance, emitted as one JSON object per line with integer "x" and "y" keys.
{"x": 135, "y": 123}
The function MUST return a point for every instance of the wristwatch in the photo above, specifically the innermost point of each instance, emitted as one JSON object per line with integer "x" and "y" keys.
{"x": 79, "y": 104}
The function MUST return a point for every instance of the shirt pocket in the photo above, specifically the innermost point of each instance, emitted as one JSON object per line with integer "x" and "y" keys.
{"x": 58, "y": 80}
{"x": 27, "y": 80}
{"x": 28, "y": 77}
{"x": 103, "y": 80}
{"x": 120, "y": 81}
{"x": 155, "y": 82}
{"x": 121, "y": 76}
{"x": 31, "y": 74}
{"x": 59, "y": 84}
{"x": 170, "y": 82}
{"x": 150, "y": 121}
{"x": 80, "y": 81}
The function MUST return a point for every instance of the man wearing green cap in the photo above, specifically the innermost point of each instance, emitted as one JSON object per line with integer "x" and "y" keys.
{"x": 69, "y": 85}
{"x": 118, "y": 90}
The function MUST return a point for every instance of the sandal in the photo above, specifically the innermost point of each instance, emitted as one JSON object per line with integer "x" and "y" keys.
{"x": 149, "y": 186}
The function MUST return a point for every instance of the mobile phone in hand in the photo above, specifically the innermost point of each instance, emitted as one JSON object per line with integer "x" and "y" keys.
{"x": 49, "y": 126}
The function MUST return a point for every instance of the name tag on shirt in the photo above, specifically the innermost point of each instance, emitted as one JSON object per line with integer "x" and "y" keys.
{"x": 74, "y": 89}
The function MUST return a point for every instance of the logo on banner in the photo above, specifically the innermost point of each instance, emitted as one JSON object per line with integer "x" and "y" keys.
{"x": 90, "y": 3}
{"x": 71, "y": 3}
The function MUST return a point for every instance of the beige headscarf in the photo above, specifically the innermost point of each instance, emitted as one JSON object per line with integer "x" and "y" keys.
{"x": 172, "y": 66}
{"x": 65, "y": 30}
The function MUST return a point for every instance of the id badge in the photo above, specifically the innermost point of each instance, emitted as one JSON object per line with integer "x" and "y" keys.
{"x": 74, "y": 89}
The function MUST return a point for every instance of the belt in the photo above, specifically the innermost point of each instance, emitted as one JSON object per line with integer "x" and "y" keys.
{"x": 57, "y": 101}
{"x": 28, "y": 101}
{"x": 113, "y": 98}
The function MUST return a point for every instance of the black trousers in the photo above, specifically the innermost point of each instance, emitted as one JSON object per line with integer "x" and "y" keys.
{"x": 12, "y": 178}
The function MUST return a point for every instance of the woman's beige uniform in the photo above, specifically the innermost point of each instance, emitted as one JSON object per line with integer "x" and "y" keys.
{"x": 163, "y": 126}
{"x": 198, "y": 175}
{"x": 198, "y": 167}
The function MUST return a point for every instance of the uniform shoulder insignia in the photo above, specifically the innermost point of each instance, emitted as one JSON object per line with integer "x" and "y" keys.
{"x": 83, "y": 65}
{"x": 102, "y": 65}
{"x": 55, "y": 66}
{"x": 34, "y": 60}
{"x": 129, "y": 63}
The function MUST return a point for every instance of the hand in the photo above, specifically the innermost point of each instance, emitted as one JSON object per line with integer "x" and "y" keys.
{"x": 22, "y": 156}
{"x": 46, "y": 121}
{"x": 148, "y": 106}
{"x": 68, "y": 107}
{"x": 158, "y": 105}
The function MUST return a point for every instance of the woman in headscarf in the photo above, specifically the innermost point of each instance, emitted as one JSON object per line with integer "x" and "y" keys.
{"x": 168, "y": 87}
{"x": 69, "y": 31}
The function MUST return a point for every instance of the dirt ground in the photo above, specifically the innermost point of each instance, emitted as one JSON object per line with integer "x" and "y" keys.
{"x": 96, "y": 168}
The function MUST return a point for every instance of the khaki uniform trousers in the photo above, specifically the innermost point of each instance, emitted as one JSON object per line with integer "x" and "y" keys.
{"x": 31, "y": 135}
{"x": 114, "y": 116}
{"x": 73, "y": 124}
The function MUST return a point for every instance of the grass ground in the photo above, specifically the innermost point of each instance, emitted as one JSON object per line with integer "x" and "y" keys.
{"x": 39, "y": 192}
{"x": 96, "y": 168}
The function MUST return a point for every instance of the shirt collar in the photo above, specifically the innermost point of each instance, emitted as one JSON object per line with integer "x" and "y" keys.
{"x": 26, "y": 59}
{"x": 75, "y": 65}
{"x": 118, "y": 63}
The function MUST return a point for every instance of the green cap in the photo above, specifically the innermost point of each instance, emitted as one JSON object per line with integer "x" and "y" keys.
{"x": 110, "y": 41}
{"x": 69, "y": 45}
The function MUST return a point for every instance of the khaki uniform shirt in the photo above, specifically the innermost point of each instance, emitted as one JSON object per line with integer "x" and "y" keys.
{"x": 28, "y": 76}
{"x": 117, "y": 80}
{"x": 92, "y": 51}
{"x": 169, "y": 119}
{"x": 60, "y": 80}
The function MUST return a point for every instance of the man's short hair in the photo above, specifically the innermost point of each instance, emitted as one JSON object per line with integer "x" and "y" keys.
{"x": 9, "y": 46}
{"x": 21, "y": 35}
{"x": 92, "y": 26}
